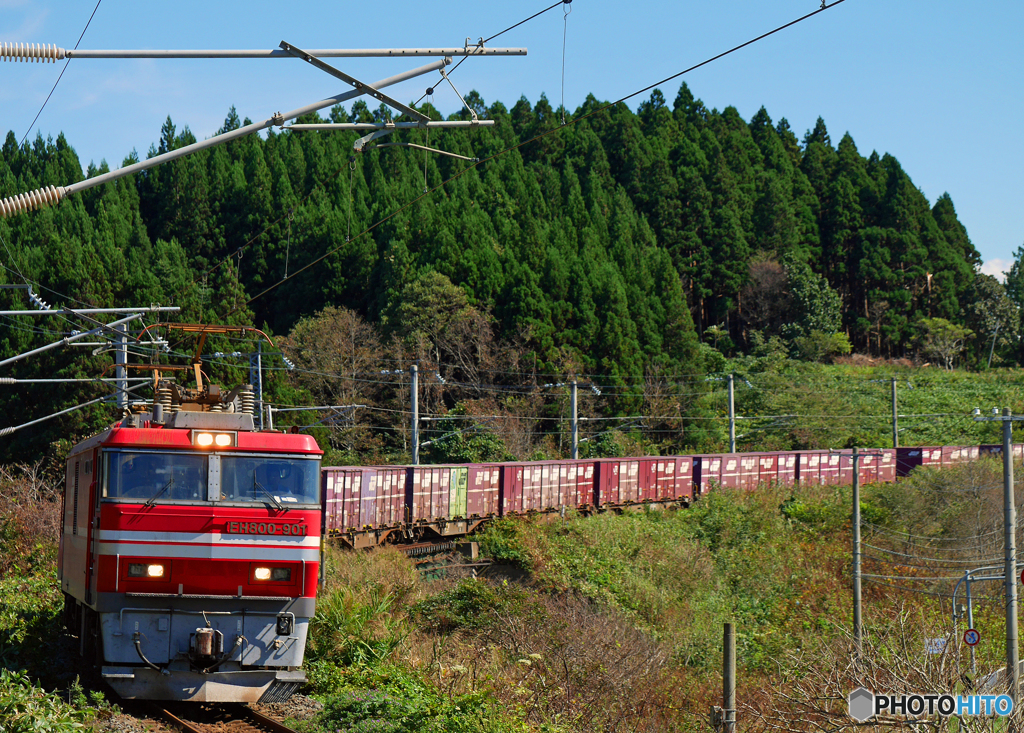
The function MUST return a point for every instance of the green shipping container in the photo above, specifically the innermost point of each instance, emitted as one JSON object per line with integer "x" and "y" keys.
{"x": 458, "y": 493}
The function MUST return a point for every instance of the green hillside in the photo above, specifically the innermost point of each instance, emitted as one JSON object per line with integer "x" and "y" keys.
{"x": 636, "y": 247}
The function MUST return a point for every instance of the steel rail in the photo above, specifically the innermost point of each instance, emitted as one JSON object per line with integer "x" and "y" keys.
{"x": 268, "y": 723}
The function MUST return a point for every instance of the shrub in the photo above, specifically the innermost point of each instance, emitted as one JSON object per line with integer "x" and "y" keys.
{"x": 472, "y": 604}
{"x": 25, "y": 708}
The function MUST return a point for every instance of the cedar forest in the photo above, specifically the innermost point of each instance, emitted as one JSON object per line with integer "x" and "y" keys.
{"x": 642, "y": 247}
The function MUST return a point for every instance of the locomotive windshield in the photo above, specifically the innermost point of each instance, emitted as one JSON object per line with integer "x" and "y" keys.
{"x": 156, "y": 476}
{"x": 279, "y": 481}
{"x": 152, "y": 477}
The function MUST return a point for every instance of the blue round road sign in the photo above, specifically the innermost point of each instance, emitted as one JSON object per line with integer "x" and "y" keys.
{"x": 971, "y": 637}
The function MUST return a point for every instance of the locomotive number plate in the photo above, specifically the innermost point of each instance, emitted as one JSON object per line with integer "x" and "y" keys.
{"x": 266, "y": 528}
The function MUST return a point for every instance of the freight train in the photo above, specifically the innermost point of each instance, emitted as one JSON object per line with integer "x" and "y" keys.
{"x": 366, "y": 506}
{"x": 191, "y": 541}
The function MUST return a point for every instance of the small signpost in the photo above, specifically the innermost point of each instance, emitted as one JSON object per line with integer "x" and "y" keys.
{"x": 934, "y": 646}
{"x": 971, "y": 637}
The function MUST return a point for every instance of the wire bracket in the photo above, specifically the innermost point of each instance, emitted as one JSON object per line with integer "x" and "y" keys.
{"x": 362, "y": 87}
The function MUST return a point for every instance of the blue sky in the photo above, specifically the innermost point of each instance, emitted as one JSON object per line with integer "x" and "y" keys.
{"x": 940, "y": 85}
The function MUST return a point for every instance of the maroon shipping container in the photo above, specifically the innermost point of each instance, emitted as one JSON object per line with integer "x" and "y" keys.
{"x": 673, "y": 478}
{"x": 430, "y": 488}
{"x": 351, "y": 496}
{"x": 707, "y": 472}
{"x": 887, "y": 466}
{"x": 584, "y": 485}
{"x": 1017, "y": 450}
{"x": 749, "y": 468}
{"x": 483, "y": 492}
{"x": 845, "y": 476}
{"x": 907, "y": 459}
{"x": 546, "y": 486}
{"x": 618, "y": 481}
{"x": 830, "y": 468}
{"x": 390, "y": 495}
{"x": 868, "y": 468}
{"x": 730, "y": 476}
{"x": 647, "y": 478}
{"x": 809, "y": 468}
{"x": 684, "y": 476}
{"x": 332, "y": 499}
{"x": 557, "y": 489}
{"x": 787, "y": 468}
{"x": 768, "y": 468}
{"x": 954, "y": 454}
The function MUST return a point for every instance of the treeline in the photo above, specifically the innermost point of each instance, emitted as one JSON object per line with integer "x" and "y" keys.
{"x": 640, "y": 247}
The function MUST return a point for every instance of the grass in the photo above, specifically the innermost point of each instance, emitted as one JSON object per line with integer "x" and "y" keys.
{"x": 791, "y": 405}
{"x": 604, "y": 623}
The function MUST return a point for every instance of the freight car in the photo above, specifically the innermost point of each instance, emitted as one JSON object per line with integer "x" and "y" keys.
{"x": 365, "y": 506}
{"x": 189, "y": 554}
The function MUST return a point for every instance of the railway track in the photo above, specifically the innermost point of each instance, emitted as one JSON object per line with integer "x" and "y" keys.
{"x": 216, "y": 718}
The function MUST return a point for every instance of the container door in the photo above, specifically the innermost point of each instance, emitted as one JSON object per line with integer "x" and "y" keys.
{"x": 459, "y": 493}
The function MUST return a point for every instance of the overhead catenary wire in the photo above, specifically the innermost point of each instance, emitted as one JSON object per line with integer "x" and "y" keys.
{"x": 61, "y": 75}
{"x": 543, "y": 135}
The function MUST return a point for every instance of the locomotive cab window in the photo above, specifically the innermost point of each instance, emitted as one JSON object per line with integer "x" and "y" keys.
{"x": 153, "y": 477}
{"x": 282, "y": 482}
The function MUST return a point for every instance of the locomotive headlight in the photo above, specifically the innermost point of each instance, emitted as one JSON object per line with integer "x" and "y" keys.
{"x": 145, "y": 570}
{"x": 276, "y": 575}
{"x": 206, "y": 440}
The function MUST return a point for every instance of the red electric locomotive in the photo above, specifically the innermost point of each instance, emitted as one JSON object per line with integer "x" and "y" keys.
{"x": 190, "y": 553}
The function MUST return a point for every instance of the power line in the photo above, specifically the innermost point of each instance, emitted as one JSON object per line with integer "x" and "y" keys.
{"x": 540, "y": 136}
{"x": 61, "y": 74}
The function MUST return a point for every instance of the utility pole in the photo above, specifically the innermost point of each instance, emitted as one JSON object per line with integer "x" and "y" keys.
{"x": 1010, "y": 545}
{"x": 1010, "y": 526}
{"x": 729, "y": 678}
{"x": 575, "y": 423}
{"x": 256, "y": 379}
{"x": 120, "y": 368}
{"x": 858, "y": 629}
{"x": 415, "y": 390}
{"x": 895, "y": 418}
{"x": 732, "y": 415}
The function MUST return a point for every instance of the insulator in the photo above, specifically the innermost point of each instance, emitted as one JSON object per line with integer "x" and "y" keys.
{"x": 164, "y": 396}
{"x": 218, "y": 407}
{"x": 248, "y": 400}
{"x": 31, "y": 200}
{"x": 45, "y": 52}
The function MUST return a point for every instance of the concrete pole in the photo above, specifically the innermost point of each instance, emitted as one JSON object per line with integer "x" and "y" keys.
{"x": 120, "y": 369}
{"x": 259, "y": 380}
{"x": 1010, "y": 524}
{"x": 970, "y": 625}
{"x": 895, "y": 418}
{"x": 729, "y": 678}
{"x": 575, "y": 424}
{"x": 858, "y": 629}
{"x": 732, "y": 415}
{"x": 415, "y": 395}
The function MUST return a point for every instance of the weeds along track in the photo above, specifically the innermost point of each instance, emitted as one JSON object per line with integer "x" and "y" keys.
{"x": 216, "y": 718}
